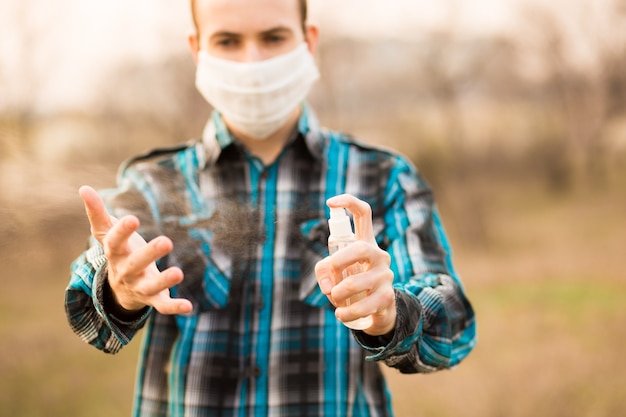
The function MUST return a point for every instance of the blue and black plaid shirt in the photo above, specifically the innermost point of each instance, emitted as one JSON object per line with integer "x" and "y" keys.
{"x": 262, "y": 339}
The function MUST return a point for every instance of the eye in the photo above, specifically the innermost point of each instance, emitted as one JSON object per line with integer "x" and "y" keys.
{"x": 274, "y": 39}
{"x": 227, "y": 42}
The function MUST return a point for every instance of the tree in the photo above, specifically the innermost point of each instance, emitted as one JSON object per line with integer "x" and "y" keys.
{"x": 584, "y": 63}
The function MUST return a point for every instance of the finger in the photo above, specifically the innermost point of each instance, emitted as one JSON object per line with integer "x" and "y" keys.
{"x": 119, "y": 234}
{"x": 145, "y": 257}
{"x": 361, "y": 211}
{"x": 99, "y": 219}
{"x": 352, "y": 286}
{"x": 385, "y": 314}
{"x": 356, "y": 306}
{"x": 360, "y": 251}
{"x": 164, "y": 304}
{"x": 173, "y": 305}
{"x": 380, "y": 301}
{"x": 155, "y": 283}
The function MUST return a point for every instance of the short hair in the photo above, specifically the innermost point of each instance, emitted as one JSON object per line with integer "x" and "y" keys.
{"x": 303, "y": 14}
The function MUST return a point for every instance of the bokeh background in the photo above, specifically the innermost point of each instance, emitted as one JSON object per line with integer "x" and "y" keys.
{"x": 514, "y": 110}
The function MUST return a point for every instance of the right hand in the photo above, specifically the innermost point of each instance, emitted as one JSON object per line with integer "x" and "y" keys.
{"x": 133, "y": 276}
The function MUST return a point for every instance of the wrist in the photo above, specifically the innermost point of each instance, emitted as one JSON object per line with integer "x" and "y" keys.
{"x": 113, "y": 306}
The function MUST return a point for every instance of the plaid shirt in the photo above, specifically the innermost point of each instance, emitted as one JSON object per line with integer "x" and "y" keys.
{"x": 262, "y": 339}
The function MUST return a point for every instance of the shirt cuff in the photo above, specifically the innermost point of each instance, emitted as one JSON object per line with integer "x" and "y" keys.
{"x": 123, "y": 328}
{"x": 407, "y": 330}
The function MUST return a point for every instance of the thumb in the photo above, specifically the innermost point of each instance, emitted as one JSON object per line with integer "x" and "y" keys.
{"x": 99, "y": 219}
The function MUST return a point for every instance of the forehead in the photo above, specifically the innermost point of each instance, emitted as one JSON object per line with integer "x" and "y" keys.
{"x": 244, "y": 16}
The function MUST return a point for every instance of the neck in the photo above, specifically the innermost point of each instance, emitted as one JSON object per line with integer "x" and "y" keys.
{"x": 267, "y": 150}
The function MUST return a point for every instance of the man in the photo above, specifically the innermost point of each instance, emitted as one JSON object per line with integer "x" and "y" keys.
{"x": 218, "y": 248}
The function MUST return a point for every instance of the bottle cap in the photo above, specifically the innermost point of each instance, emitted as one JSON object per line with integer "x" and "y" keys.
{"x": 339, "y": 223}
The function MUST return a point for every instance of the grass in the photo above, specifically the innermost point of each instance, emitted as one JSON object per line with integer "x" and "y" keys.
{"x": 549, "y": 350}
{"x": 548, "y": 291}
{"x": 547, "y": 287}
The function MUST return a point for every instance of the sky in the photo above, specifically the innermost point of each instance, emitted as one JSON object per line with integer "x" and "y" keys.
{"x": 55, "y": 51}
{"x": 405, "y": 18}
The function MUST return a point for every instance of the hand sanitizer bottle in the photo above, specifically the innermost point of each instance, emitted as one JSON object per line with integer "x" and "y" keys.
{"x": 341, "y": 235}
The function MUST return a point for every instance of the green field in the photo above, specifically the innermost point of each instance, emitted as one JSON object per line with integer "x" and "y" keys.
{"x": 546, "y": 281}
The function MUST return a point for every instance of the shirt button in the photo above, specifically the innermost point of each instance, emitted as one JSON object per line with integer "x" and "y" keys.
{"x": 256, "y": 372}
{"x": 265, "y": 175}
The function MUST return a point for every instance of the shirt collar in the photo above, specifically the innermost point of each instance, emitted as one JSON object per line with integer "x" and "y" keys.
{"x": 216, "y": 136}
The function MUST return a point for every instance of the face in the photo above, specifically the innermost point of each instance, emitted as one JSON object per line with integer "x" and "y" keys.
{"x": 249, "y": 30}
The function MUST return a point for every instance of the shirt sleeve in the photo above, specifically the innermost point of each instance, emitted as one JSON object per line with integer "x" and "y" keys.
{"x": 435, "y": 326}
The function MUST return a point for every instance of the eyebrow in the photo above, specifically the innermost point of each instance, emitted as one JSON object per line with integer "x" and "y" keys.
{"x": 224, "y": 34}
{"x": 271, "y": 31}
{"x": 276, "y": 29}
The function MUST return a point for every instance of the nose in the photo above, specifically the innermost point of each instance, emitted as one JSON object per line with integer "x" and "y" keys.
{"x": 252, "y": 52}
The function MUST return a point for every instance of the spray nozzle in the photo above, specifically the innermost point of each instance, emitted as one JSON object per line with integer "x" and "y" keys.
{"x": 338, "y": 214}
{"x": 339, "y": 222}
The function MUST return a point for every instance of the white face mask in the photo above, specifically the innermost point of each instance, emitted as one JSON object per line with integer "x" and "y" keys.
{"x": 257, "y": 98}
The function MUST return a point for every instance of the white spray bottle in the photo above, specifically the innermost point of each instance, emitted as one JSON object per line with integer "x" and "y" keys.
{"x": 341, "y": 235}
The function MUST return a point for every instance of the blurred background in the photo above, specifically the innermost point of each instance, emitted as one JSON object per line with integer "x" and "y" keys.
{"x": 514, "y": 110}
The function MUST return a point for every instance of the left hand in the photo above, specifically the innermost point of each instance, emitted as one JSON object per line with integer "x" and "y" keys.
{"x": 376, "y": 280}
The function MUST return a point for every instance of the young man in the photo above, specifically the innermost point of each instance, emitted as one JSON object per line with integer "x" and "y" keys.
{"x": 218, "y": 248}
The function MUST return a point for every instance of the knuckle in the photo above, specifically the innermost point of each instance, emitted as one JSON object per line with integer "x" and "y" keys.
{"x": 335, "y": 295}
{"x": 387, "y": 258}
{"x": 121, "y": 267}
{"x": 141, "y": 292}
{"x": 125, "y": 272}
{"x": 349, "y": 285}
{"x": 130, "y": 265}
{"x": 389, "y": 276}
{"x": 366, "y": 208}
{"x": 361, "y": 249}
{"x": 108, "y": 251}
{"x": 389, "y": 297}
{"x": 355, "y": 310}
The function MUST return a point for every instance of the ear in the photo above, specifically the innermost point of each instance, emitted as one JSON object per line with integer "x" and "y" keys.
{"x": 311, "y": 36}
{"x": 194, "y": 45}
